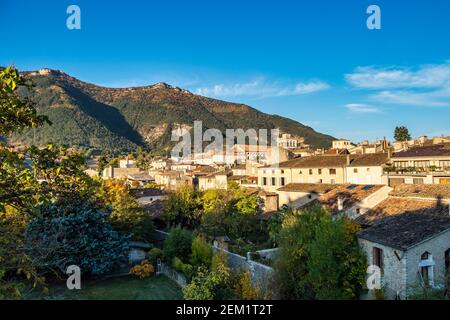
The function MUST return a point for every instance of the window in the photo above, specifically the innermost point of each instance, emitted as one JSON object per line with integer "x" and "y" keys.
{"x": 264, "y": 181}
{"x": 274, "y": 182}
{"x": 320, "y": 171}
{"x": 320, "y": 181}
{"x": 282, "y": 181}
{"x": 368, "y": 169}
{"x": 377, "y": 257}
{"x": 355, "y": 170}
{"x": 332, "y": 171}
{"x": 426, "y": 268}
{"x": 358, "y": 210}
{"x": 310, "y": 171}
{"x": 417, "y": 180}
{"x": 282, "y": 171}
{"x": 300, "y": 172}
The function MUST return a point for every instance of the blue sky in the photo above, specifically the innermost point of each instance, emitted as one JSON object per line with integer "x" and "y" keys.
{"x": 313, "y": 61}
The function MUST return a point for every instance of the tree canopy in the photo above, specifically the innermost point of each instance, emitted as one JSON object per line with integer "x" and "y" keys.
{"x": 402, "y": 134}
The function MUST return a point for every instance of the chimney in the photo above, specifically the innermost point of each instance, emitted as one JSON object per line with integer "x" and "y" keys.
{"x": 340, "y": 202}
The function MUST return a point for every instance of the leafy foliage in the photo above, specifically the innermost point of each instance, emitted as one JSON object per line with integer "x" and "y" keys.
{"x": 16, "y": 112}
{"x": 128, "y": 216}
{"x": 74, "y": 235}
{"x": 202, "y": 252}
{"x": 214, "y": 284}
{"x": 182, "y": 207}
{"x": 319, "y": 257}
{"x": 402, "y": 134}
{"x": 143, "y": 270}
{"x": 245, "y": 289}
{"x": 178, "y": 244}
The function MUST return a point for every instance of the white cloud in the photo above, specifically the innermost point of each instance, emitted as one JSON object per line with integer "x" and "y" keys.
{"x": 261, "y": 88}
{"x": 362, "y": 108}
{"x": 412, "y": 98}
{"x": 426, "y": 86}
{"x": 428, "y": 76}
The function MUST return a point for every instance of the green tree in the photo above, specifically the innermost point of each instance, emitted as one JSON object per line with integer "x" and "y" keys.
{"x": 182, "y": 207}
{"x": 143, "y": 159}
{"x": 128, "y": 216}
{"x": 178, "y": 244}
{"x": 18, "y": 186}
{"x": 16, "y": 112}
{"x": 214, "y": 284}
{"x": 402, "y": 134}
{"x": 202, "y": 252}
{"x": 74, "y": 235}
{"x": 319, "y": 257}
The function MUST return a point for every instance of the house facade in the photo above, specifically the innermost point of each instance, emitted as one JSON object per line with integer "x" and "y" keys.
{"x": 412, "y": 252}
{"x": 367, "y": 169}
{"x": 420, "y": 165}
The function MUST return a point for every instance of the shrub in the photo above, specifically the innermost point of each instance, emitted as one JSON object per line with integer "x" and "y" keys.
{"x": 202, "y": 253}
{"x": 143, "y": 270}
{"x": 155, "y": 254}
{"x": 184, "y": 268}
{"x": 177, "y": 264}
{"x": 244, "y": 288}
{"x": 211, "y": 285}
{"x": 178, "y": 244}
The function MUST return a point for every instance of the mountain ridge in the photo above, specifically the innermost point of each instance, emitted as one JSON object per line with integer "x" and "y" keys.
{"x": 92, "y": 116}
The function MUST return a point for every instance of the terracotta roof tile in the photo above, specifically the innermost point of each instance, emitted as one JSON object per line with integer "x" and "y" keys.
{"x": 430, "y": 191}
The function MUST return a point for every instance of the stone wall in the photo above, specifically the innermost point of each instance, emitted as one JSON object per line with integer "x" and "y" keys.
{"x": 261, "y": 274}
{"x": 393, "y": 279}
{"x": 401, "y": 268}
{"x": 436, "y": 247}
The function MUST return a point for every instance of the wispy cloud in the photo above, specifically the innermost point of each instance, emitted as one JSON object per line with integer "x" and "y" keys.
{"x": 362, "y": 108}
{"x": 439, "y": 98}
{"x": 261, "y": 88}
{"x": 427, "y": 86}
{"x": 428, "y": 76}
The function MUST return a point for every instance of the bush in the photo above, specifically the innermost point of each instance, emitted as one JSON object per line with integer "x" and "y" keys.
{"x": 177, "y": 264}
{"x": 155, "y": 254}
{"x": 202, "y": 253}
{"x": 244, "y": 288}
{"x": 184, "y": 268}
{"x": 211, "y": 285}
{"x": 178, "y": 244}
{"x": 143, "y": 270}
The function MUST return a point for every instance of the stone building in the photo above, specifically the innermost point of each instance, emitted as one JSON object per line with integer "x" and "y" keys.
{"x": 411, "y": 249}
{"x": 408, "y": 236}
